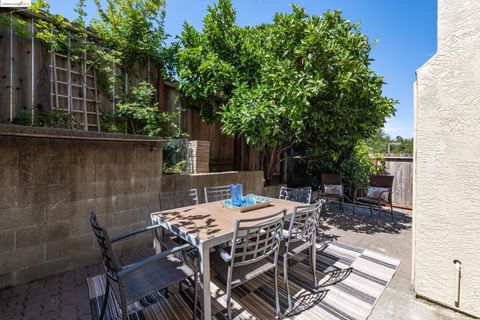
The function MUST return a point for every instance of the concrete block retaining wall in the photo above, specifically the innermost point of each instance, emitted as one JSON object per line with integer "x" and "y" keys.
{"x": 49, "y": 186}
{"x": 252, "y": 181}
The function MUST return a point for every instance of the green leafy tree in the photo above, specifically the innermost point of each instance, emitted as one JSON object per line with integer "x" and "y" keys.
{"x": 211, "y": 63}
{"x": 133, "y": 30}
{"x": 300, "y": 80}
{"x": 359, "y": 166}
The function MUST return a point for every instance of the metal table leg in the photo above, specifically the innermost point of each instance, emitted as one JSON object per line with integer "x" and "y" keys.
{"x": 205, "y": 283}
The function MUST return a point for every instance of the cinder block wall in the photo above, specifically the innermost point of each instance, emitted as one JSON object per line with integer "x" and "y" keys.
{"x": 252, "y": 181}
{"x": 48, "y": 187}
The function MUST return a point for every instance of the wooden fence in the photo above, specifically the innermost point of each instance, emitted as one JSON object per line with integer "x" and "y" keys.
{"x": 226, "y": 153}
{"x": 402, "y": 169}
{"x": 33, "y": 79}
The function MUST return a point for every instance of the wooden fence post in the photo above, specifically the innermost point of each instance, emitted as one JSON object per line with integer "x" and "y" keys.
{"x": 161, "y": 90}
{"x": 11, "y": 69}
{"x": 33, "y": 73}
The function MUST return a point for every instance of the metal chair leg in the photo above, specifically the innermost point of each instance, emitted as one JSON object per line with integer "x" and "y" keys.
{"x": 277, "y": 300}
{"x": 123, "y": 302}
{"x": 391, "y": 211}
{"x": 353, "y": 209}
{"x": 380, "y": 210}
{"x": 371, "y": 211}
{"x": 313, "y": 264}
{"x": 124, "y": 313}
{"x": 195, "y": 294}
{"x": 285, "y": 276}
{"x": 105, "y": 300}
{"x": 229, "y": 301}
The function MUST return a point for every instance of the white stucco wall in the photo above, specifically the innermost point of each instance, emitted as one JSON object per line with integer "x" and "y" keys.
{"x": 447, "y": 161}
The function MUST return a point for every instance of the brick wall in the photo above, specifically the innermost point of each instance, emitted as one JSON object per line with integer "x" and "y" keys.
{"x": 48, "y": 187}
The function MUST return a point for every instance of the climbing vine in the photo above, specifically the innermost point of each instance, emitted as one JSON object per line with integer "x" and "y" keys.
{"x": 128, "y": 35}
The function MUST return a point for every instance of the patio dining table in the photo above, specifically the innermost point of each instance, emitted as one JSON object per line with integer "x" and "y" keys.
{"x": 208, "y": 225}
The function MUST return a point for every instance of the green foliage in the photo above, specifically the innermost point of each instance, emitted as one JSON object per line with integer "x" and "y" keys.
{"x": 111, "y": 124}
{"x": 61, "y": 119}
{"x": 175, "y": 154}
{"x": 58, "y": 33}
{"x": 178, "y": 168}
{"x": 302, "y": 80}
{"x": 24, "y": 118}
{"x": 140, "y": 114}
{"x": 379, "y": 143}
{"x": 56, "y": 118}
{"x": 211, "y": 63}
{"x": 357, "y": 168}
{"x": 132, "y": 28}
{"x": 127, "y": 34}
{"x": 7, "y": 19}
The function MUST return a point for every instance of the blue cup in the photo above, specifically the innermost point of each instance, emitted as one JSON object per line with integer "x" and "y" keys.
{"x": 249, "y": 199}
{"x": 236, "y": 194}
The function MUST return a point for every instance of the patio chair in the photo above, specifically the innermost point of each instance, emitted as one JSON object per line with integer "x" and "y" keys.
{"x": 303, "y": 194}
{"x": 255, "y": 242}
{"x": 300, "y": 236}
{"x": 168, "y": 201}
{"x": 379, "y": 193}
{"x": 178, "y": 199}
{"x": 217, "y": 193}
{"x": 332, "y": 187}
{"x": 142, "y": 278}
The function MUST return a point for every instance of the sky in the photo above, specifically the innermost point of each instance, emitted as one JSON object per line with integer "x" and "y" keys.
{"x": 405, "y": 29}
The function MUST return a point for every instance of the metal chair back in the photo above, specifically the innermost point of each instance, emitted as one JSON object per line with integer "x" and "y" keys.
{"x": 110, "y": 263}
{"x": 213, "y": 194}
{"x": 303, "y": 224}
{"x": 256, "y": 239}
{"x": 302, "y": 235}
{"x": 319, "y": 206}
{"x": 331, "y": 178}
{"x": 303, "y": 194}
{"x": 178, "y": 199}
{"x": 381, "y": 181}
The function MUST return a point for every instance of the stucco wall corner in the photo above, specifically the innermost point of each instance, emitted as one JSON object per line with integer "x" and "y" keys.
{"x": 447, "y": 162}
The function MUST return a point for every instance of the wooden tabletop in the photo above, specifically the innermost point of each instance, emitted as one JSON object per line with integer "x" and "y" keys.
{"x": 211, "y": 220}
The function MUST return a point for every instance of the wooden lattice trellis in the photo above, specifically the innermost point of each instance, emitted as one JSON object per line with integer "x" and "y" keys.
{"x": 74, "y": 89}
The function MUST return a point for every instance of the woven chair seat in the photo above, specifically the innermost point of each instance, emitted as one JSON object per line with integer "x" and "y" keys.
{"x": 155, "y": 277}
{"x": 240, "y": 274}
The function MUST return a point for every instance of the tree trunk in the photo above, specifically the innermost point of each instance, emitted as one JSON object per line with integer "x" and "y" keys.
{"x": 271, "y": 159}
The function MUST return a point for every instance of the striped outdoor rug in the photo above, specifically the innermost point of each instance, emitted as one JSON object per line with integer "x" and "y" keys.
{"x": 352, "y": 280}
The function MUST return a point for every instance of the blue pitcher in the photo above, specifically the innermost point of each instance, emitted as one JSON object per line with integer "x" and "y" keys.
{"x": 237, "y": 194}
